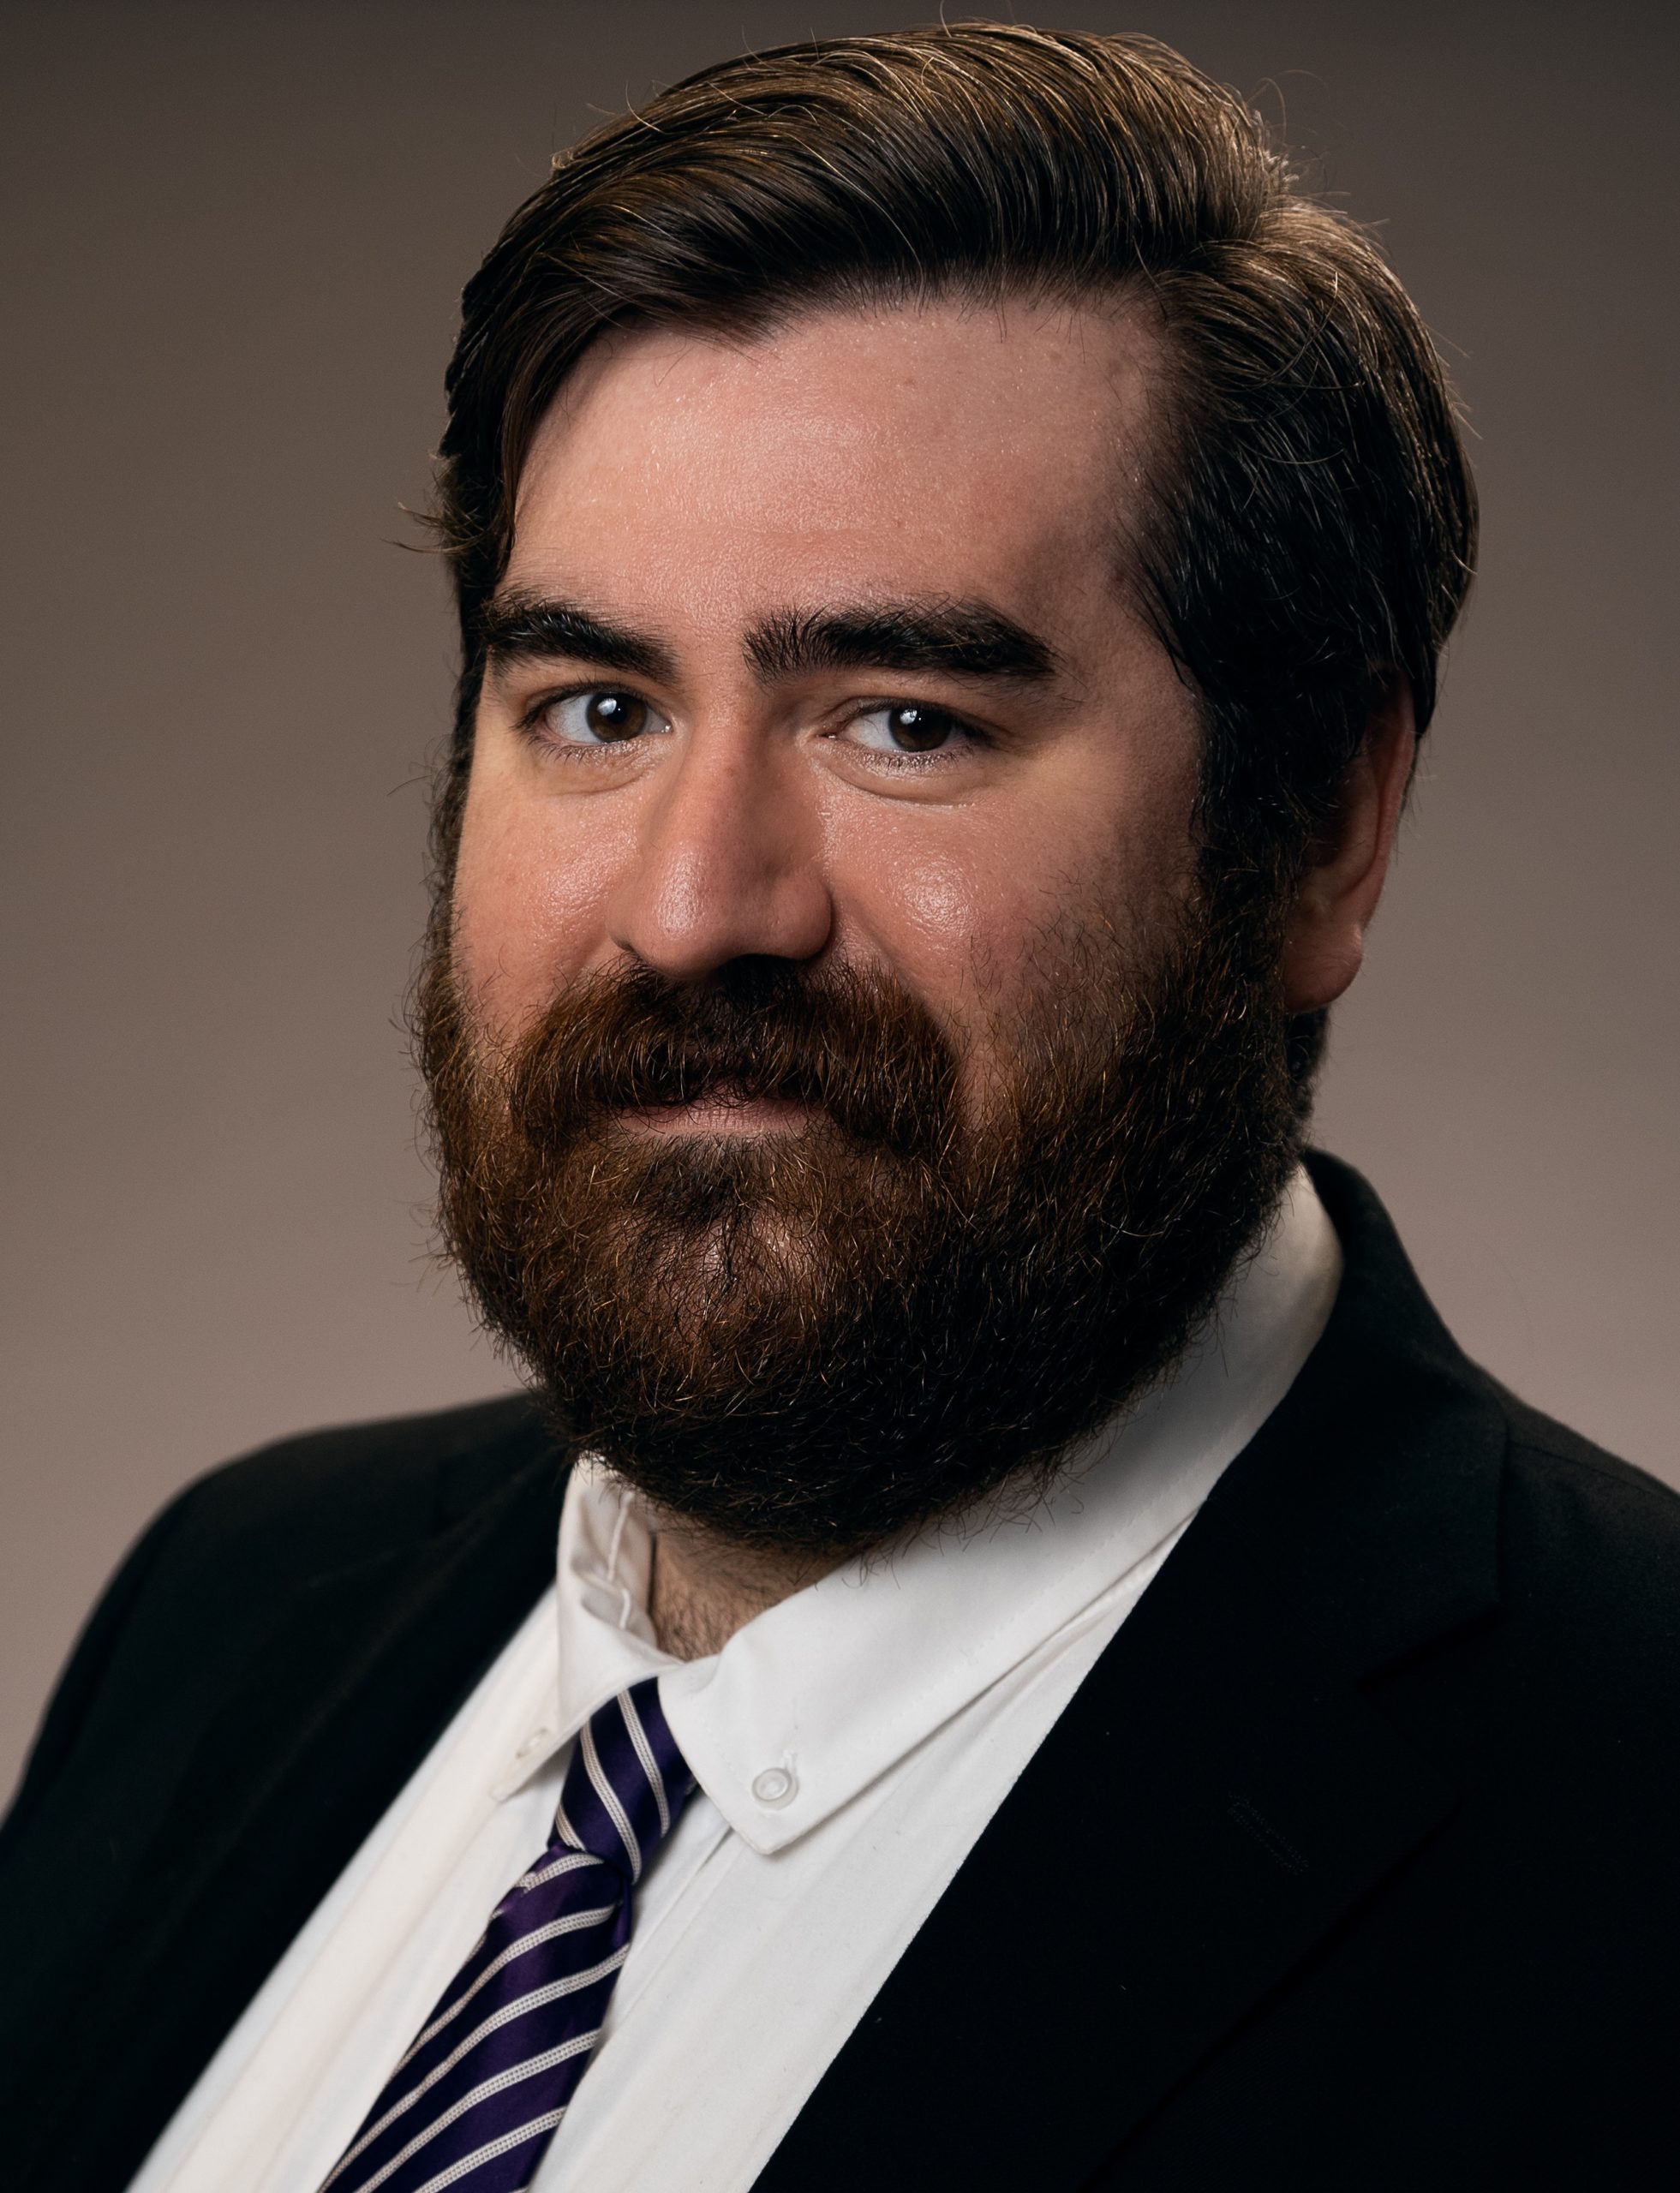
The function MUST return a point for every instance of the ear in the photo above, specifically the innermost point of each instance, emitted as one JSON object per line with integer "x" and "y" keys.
{"x": 1325, "y": 943}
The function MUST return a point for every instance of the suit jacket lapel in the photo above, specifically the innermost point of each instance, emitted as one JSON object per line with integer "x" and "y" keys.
{"x": 1219, "y": 1794}
{"x": 337, "y": 1708}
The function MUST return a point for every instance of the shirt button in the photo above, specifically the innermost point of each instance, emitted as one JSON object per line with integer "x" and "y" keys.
{"x": 774, "y": 1786}
{"x": 535, "y": 1742}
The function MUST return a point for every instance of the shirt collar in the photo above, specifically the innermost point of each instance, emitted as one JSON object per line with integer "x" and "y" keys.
{"x": 816, "y": 1697}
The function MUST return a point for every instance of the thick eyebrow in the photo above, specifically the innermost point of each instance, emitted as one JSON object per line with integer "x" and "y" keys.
{"x": 962, "y": 639}
{"x": 521, "y": 627}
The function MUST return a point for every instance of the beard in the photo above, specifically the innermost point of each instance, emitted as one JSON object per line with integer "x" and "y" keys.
{"x": 813, "y": 1339}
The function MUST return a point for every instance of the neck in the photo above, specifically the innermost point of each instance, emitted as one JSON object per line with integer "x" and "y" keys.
{"x": 704, "y": 1589}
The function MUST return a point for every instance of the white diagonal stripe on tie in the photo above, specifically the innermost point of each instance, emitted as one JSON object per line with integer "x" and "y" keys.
{"x": 609, "y": 1799}
{"x": 523, "y": 2007}
{"x": 555, "y": 1928}
{"x": 645, "y": 1751}
{"x": 490, "y": 2151}
{"x": 569, "y": 1864}
{"x": 533, "y": 2067}
{"x": 563, "y": 1827}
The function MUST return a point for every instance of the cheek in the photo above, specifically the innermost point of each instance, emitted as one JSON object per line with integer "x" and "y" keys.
{"x": 957, "y": 912}
{"x": 977, "y": 908}
{"x": 532, "y": 884}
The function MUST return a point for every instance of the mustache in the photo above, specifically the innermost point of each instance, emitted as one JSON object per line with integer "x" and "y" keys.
{"x": 851, "y": 1043}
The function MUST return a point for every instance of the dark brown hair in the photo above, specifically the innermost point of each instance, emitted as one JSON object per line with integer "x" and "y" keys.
{"x": 1311, "y": 517}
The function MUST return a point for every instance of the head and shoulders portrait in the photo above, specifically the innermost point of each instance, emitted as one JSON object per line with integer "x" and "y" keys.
{"x": 1001, "y": 1639}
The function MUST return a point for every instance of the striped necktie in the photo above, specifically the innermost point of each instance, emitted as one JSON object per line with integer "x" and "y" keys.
{"x": 476, "y": 2101}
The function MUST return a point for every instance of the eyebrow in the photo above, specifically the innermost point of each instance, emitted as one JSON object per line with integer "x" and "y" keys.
{"x": 962, "y": 639}
{"x": 519, "y": 627}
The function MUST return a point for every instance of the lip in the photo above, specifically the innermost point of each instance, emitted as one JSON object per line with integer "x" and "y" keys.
{"x": 718, "y": 1113}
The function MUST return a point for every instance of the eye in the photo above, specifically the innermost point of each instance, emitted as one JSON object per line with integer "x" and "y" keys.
{"x": 907, "y": 727}
{"x": 602, "y": 716}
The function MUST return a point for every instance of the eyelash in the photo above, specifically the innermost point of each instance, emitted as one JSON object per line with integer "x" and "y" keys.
{"x": 530, "y": 723}
{"x": 909, "y": 763}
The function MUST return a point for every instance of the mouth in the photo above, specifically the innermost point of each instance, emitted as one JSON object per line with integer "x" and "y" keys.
{"x": 722, "y": 1108}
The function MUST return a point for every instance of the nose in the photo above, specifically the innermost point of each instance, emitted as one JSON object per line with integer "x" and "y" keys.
{"x": 727, "y": 865}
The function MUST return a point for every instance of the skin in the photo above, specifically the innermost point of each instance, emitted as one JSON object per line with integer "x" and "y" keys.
{"x": 656, "y": 784}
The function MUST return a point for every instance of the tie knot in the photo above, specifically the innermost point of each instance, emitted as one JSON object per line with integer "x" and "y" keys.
{"x": 627, "y": 1783}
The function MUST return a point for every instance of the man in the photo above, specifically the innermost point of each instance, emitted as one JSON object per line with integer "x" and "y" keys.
{"x": 1066, "y": 1675}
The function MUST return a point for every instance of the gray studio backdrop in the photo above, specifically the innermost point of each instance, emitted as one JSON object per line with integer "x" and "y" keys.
{"x": 234, "y": 236}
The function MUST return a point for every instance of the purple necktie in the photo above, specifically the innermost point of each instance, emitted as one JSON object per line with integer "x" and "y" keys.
{"x": 476, "y": 2100}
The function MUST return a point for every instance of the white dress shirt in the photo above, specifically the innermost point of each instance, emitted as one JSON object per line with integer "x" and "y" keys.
{"x": 850, "y": 1744}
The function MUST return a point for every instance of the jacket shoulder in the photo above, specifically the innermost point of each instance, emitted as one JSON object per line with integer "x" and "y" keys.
{"x": 1587, "y": 1537}
{"x": 233, "y": 1546}
{"x": 331, "y": 1494}
{"x": 1560, "y": 1703}
{"x": 1550, "y": 1450}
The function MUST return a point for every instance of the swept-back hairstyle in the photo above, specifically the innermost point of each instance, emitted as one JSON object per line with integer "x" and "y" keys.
{"x": 1309, "y": 524}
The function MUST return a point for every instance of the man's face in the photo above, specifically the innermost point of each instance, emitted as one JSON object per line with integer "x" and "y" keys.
{"x": 845, "y": 1090}
{"x": 810, "y": 546}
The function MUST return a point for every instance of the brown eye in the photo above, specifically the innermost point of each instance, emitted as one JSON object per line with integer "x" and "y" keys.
{"x": 615, "y": 715}
{"x": 601, "y": 717}
{"x": 918, "y": 730}
{"x": 906, "y": 727}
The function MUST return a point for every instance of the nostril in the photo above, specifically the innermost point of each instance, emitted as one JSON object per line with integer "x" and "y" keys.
{"x": 695, "y": 918}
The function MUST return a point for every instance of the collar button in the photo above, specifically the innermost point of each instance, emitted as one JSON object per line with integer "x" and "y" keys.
{"x": 774, "y": 1786}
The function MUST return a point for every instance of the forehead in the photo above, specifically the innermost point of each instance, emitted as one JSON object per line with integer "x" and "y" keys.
{"x": 951, "y": 447}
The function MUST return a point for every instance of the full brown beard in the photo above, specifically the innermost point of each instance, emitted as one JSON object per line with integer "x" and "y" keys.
{"x": 815, "y": 1338}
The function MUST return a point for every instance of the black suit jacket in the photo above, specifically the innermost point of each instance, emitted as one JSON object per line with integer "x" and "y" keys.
{"x": 1354, "y": 1864}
